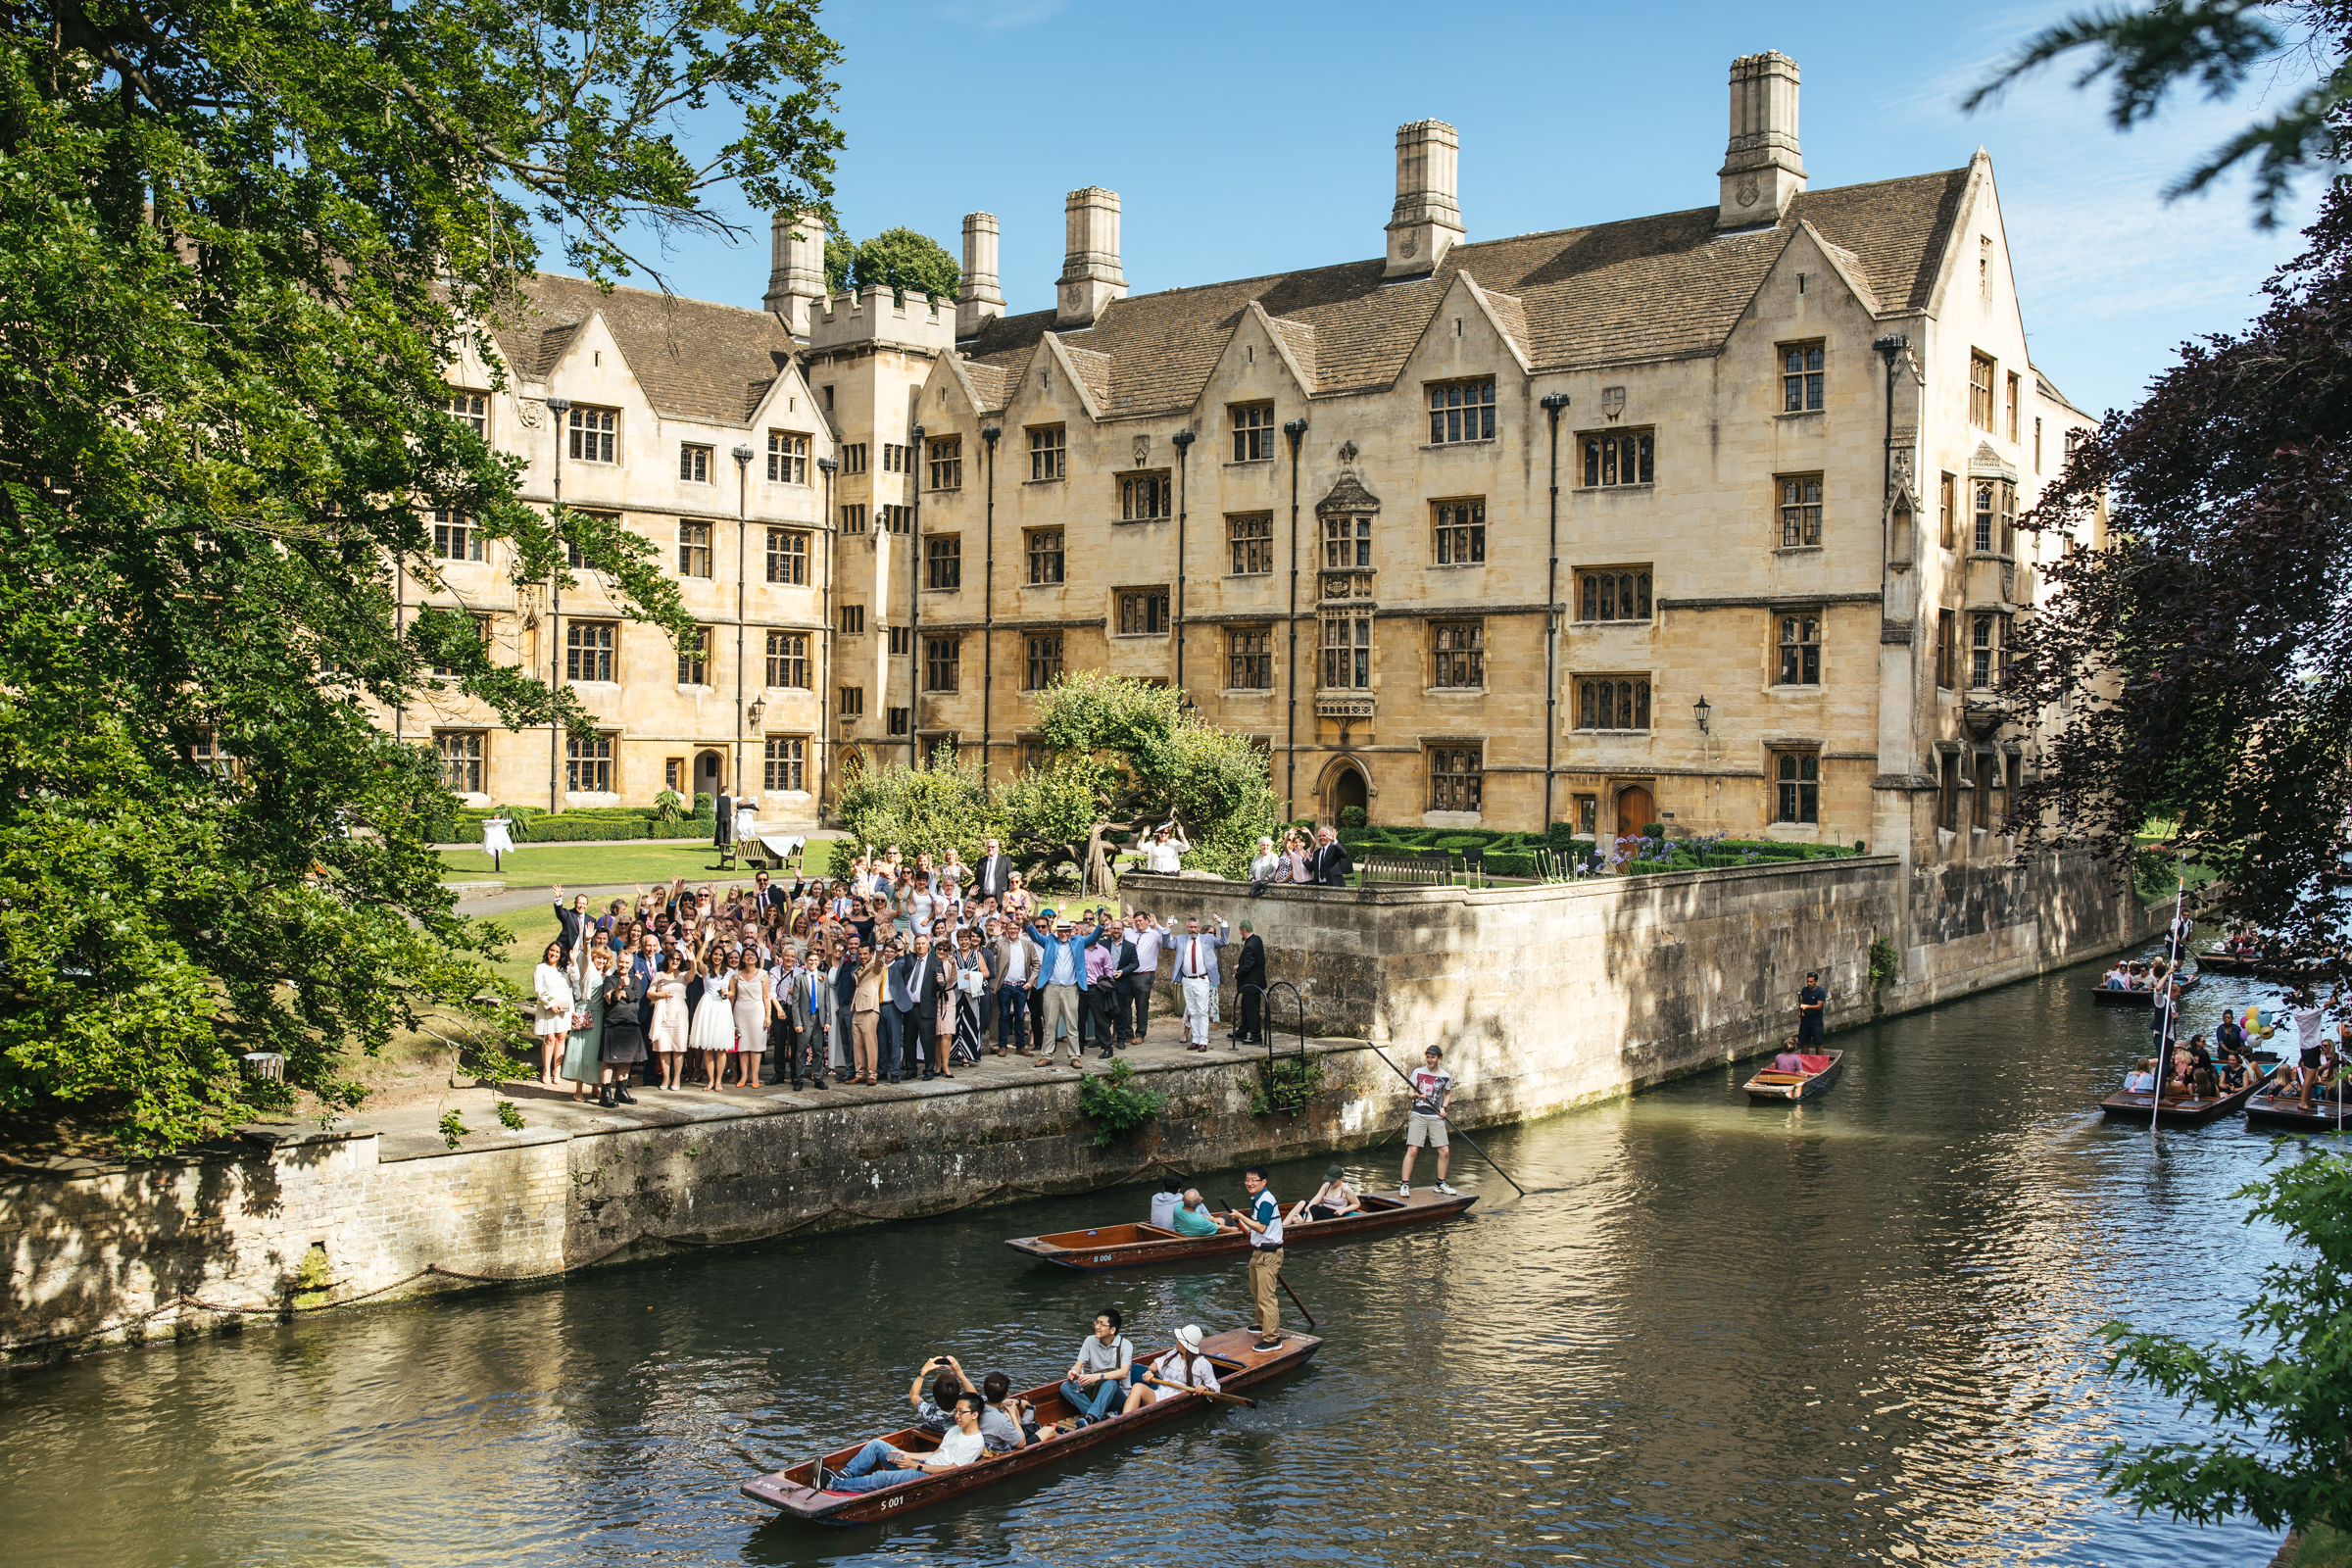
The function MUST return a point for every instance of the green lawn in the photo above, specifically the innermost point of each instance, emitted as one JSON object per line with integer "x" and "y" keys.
{"x": 582, "y": 866}
{"x": 2323, "y": 1548}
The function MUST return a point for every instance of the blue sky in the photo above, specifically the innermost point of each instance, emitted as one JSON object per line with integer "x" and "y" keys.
{"x": 1245, "y": 140}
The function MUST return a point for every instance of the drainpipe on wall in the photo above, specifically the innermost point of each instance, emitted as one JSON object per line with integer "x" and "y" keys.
{"x": 824, "y": 680}
{"x": 1184, "y": 448}
{"x": 743, "y": 566}
{"x": 1296, "y": 430}
{"x": 557, "y": 408}
{"x": 1552, "y": 404}
{"x": 988, "y": 599}
{"x": 914, "y": 613}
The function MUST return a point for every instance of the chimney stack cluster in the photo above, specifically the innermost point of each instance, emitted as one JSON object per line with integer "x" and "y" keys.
{"x": 1762, "y": 171}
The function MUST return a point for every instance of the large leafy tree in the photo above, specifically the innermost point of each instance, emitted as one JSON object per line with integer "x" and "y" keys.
{"x": 240, "y": 246}
{"x": 2198, "y": 669}
{"x": 909, "y": 263}
{"x": 2282, "y": 1397}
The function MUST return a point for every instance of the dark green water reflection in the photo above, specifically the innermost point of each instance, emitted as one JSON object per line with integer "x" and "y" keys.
{"x": 1855, "y": 1331}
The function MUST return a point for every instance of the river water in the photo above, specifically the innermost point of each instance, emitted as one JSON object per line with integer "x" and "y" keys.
{"x": 1855, "y": 1331}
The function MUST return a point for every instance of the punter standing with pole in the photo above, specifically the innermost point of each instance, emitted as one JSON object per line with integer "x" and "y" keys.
{"x": 1432, "y": 1087}
{"x": 1810, "y": 1003}
{"x": 1264, "y": 1222}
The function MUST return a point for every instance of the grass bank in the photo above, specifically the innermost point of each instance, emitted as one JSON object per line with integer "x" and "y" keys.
{"x": 587, "y": 866}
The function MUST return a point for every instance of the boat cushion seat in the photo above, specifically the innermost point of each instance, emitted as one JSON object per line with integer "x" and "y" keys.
{"x": 1812, "y": 1063}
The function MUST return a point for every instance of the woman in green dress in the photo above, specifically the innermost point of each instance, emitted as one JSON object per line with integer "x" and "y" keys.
{"x": 583, "y": 1046}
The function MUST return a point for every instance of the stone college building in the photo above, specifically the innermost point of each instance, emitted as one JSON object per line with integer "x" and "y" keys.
{"x": 1707, "y": 517}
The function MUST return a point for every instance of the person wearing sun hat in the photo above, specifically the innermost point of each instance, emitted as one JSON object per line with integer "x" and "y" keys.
{"x": 1062, "y": 973}
{"x": 1184, "y": 1366}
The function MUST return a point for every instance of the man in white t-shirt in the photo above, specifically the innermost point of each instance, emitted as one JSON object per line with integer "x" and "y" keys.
{"x": 879, "y": 1465}
{"x": 2311, "y": 1025}
{"x": 1433, "y": 1087}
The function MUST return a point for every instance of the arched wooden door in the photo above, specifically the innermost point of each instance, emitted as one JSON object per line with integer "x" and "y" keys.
{"x": 1348, "y": 789}
{"x": 1637, "y": 809}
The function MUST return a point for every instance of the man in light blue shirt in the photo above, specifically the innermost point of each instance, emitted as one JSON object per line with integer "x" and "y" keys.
{"x": 1063, "y": 972}
{"x": 1263, "y": 1221}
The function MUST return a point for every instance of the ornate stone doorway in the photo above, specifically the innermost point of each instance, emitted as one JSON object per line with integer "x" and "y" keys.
{"x": 1347, "y": 788}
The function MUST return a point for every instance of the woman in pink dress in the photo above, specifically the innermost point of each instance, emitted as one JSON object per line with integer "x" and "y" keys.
{"x": 752, "y": 997}
{"x": 668, "y": 1034}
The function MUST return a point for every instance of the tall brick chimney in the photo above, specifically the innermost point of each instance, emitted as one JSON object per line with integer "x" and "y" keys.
{"x": 1762, "y": 169}
{"x": 980, "y": 301}
{"x": 1091, "y": 277}
{"x": 1428, "y": 218}
{"x": 796, "y": 274}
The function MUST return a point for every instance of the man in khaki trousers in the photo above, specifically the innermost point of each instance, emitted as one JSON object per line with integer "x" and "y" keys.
{"x": 1264, "y": 1222}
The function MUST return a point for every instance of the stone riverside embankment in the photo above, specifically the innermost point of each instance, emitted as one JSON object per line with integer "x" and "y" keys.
{"x": 1545, "y": 997}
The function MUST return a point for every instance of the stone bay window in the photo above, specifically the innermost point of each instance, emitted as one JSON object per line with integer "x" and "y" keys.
{"x": 1346, "y": 653}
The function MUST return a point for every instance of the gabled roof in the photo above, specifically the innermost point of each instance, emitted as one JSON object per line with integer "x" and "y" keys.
{"x": 695, "y": 360}
{"x": 1645, "y": 288}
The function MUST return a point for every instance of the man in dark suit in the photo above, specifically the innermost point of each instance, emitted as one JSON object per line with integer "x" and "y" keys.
{"x": 802, "y": 1023}
{"x": 723, "y": 830}
{"x": 1126, "y": 966}
{"x": 763, "y": 896}
{"x": 1249, "y": 983}
{"x": 1330, "y": 864}
{"x": 989, "y": 876}
{"x": 913, "y": 987}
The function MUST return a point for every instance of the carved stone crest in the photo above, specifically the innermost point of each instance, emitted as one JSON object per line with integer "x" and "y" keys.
{"x": 1142, "y": 448}
{"x": 1409, "y": 245}
{"x": 531, "y": 411}
{"x": 1612, "y": 401}
{"x": 1347, "y": 452}
{"x": 1746, "y": 191}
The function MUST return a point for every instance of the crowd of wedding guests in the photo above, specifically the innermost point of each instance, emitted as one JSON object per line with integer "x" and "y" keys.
{"x": 898, "y": 971}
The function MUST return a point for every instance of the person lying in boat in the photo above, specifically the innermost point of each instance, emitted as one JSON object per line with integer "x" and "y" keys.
{"x": 1185, "y": 1366}
{"x": 1332, "y": 1200}
{"x": 879, "y": 1464}
{"x": 1193, "y": 1217}
{"x": 1105, "y": 1365}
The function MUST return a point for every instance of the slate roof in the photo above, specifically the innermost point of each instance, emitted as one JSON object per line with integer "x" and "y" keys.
{"x": 1644, "y": 288}
{"x": 695, "y": 360}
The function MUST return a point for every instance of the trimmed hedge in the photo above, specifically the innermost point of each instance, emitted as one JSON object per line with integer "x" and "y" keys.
{"x": 586, "y": 824}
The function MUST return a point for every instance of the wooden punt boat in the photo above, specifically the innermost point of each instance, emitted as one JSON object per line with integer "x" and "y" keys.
{"x": 2282, "y": 1114}
{"x": 1772, "y": 1087}
{"x": 2135, "y": 998}
{"x": 2280, "y": 969}
{"x": 2178, "y": 1111}
{"x": 1109, "y": 1247}
{"x": 1240, "y": 1366}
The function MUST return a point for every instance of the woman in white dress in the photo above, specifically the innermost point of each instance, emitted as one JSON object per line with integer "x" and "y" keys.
{"x": 752, "y": 997}
{"x": 1160, "y": 855}
{"x": 713, "y": 1036}
{"x": 667, "y": 1033}
{"x": 551, "y": 987}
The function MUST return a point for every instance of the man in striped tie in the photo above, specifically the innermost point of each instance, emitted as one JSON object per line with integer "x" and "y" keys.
{"x": 1196, "y": 976}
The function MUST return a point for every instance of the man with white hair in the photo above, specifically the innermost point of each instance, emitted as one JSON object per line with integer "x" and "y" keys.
{"x": 1265, "y": 865}
{"x": 1196, "y": 976}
